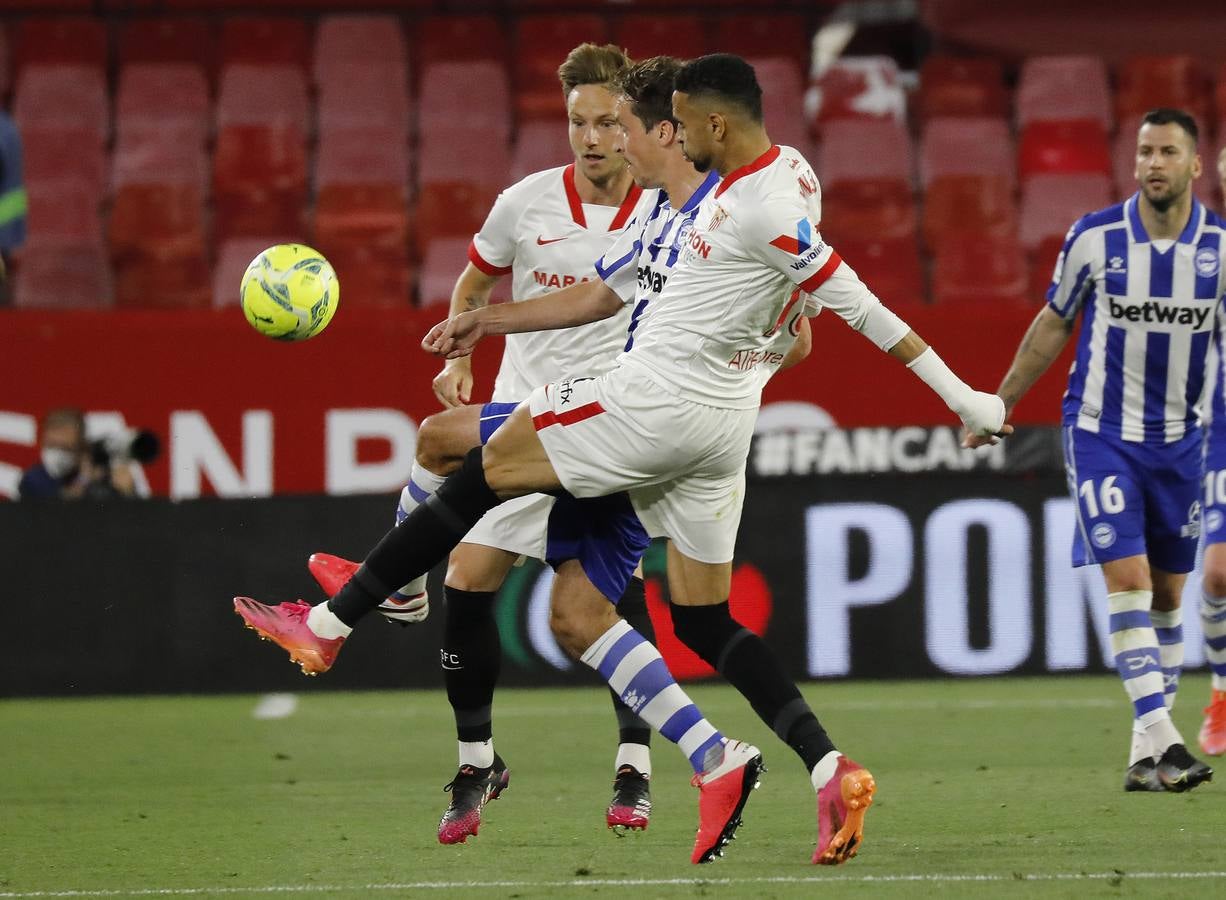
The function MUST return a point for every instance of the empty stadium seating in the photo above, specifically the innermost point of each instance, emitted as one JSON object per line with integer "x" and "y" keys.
{"x": 961, "y": 86}
{"x": 1146, "y": 82}
{"x": 541, "y": 44}
{"x": 1059, "y": 88}
{"x": 979, "y": 269}
{"x": 1052, "y": 203}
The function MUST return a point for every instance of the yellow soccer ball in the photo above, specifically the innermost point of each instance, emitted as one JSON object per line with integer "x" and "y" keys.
{"x": 289, "y": 292}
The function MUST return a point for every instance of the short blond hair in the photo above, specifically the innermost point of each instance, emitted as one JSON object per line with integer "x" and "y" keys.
{"x": 592, "y": 64}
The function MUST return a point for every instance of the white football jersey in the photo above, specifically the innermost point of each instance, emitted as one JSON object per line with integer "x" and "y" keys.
{"x": 714, "y": 334}
{"x": 545, "y": 237}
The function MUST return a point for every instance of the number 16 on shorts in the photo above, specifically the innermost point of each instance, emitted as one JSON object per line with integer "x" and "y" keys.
{"x": 1102, "y": 500}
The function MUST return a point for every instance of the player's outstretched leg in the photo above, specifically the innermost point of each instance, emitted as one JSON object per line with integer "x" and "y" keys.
{"x": 630, "y": 808}
{"x": 470, "y": 790}
{"x": 725, "y": 771}
{"x": 410, "y": 549}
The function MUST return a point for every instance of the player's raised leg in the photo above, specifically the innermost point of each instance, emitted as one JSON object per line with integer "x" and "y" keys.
{"x": 725, "y": 771}
{"x": 442, "y": 441}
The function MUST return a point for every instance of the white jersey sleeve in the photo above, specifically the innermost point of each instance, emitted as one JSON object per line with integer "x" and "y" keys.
{"x": 814, "y": 266}
{"x": 1072, "y": 281}
{"x": 493, "y": 247}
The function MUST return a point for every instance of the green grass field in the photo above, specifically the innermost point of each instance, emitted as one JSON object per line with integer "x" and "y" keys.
{"x": 995, "y": 788}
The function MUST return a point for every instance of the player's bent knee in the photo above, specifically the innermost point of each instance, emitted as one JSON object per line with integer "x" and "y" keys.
{"x": 434, "y": 453}
{"x": 1214, "y": 583}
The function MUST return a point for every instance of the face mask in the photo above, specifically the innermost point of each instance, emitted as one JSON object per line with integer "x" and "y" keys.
{"x": 59, "y": 462}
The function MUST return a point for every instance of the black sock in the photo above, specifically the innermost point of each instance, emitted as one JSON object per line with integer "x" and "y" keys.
{"x": 427, "y": 535}
{"x": 471, "y": 657}
{"x": 633, "y": 608}
{"x": 744, "y": 659}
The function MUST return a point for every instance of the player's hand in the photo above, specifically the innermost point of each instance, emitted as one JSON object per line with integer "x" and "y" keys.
{"x": 455, "y": 337}
{"x": 983, "y": 416}
{"x": 454, "y": 384}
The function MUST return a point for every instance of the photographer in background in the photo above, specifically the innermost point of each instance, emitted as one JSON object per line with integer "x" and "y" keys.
{"x": 71, "y": 468}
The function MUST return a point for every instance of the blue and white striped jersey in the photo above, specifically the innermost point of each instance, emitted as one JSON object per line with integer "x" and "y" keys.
{"x": 637, "y": 266}
{"x": 1147, "y": 320}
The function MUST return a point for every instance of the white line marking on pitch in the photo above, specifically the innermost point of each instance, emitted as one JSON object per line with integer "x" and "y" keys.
{"x": 625, "y": 882}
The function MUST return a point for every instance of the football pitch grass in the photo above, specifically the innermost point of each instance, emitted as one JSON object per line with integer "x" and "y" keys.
{"x": 986, "y": 788}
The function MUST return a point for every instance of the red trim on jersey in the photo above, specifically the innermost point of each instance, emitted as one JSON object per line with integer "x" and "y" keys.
{"x": 475, "y": 257}
{"x": 570, "y": 417}
{"x": 627, "y": 207}
{"x": 572, "y": 196}
{"x": 818, "y": 278}
{"x": 760, "y": 163}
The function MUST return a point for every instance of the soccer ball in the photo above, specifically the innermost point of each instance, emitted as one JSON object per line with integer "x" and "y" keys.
{"x": 289, "y": 292}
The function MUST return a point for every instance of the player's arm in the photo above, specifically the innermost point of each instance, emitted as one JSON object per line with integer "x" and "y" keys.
{"x": 454, "y": 384}
{"x": 801, "y": 348}
{"x": 579, "y": 304}
{"x": 1041, "y": 345}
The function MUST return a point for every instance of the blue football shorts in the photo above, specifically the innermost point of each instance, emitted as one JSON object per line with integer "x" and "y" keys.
{"x": 1134, "y": 499}
{"x": 603, "y": 533}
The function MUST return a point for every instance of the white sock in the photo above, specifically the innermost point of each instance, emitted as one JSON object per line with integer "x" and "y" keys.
{"x": 325, "y": 624}
{"x": 1168, "y": 625}
{"x": 479, "y": 754}
{"x": 1142, "y": 747}
{"x": 1213, "y": 623}
{"x": 824, "y": 770}
{"x": 422, "y": 483}
{"x": 637, "y": 755}
{"x": 1135, "y": 646}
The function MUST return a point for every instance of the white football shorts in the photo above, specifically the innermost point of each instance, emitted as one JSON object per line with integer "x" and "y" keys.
{"x": 682, "y": 463}
{"x": 517, "y": 526}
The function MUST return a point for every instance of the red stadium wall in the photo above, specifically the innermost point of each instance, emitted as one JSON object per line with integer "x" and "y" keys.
{"x": 240, "y": 415}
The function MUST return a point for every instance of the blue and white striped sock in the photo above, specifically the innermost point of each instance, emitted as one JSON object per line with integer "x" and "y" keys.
{"x": 1213, "y": 623}
{"x": 1168, "y": 626}
{"x": 422, "y": 483}
{"x": 636, "y": 672}
{"x": 1137, "y": 659}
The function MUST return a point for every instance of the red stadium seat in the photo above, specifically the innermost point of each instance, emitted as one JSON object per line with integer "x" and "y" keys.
{"x": 62, "y": 96}
{"x": 168, "y": 39}
{"x": 1051, "y": 203}
{"x": 852, "y": 149}
{"x": 168, "y": 98}
{"x": 1147, "y": 82}
{"x": 63, "y": 274}
{"x": 538, "y": 146}
{"x": 1219, "y": 96}
{"x": 1067, "y": 146}
{"x": 541, "y": 44}
{"x": 1124, "y": 161}
{"x": 981, "y": 204}
{"x": 362, "y": 192}
{"x": 962, "y": 86}
{"x": 5, "y": 58}
{"x": 363, "y": 95}
{"x": 868, "y": 209}
{"x": 858, "y": 87}
{"x": 344, "y": 40}
{"x": 1064, "y": 87}
{"x": 967, "y": 146}
{"x": 451, "y": 209}
{"x": 453, "y": 38}
{"x": 54, "y": 155}
{"x": 482, "y": 161}
{"x": 447, "y": 87}
{"x": 64, "y": 210}
{"x": 443, "y": 259}
{"x": 61, "y": 40}
{"x": 157, "y": 240}
{"x": 783, "y": 101}
{"x": 147, "y": 157}
{"x": 979, "y": 269}
{"x": 1043, "y": 266}
{"x": 891, "y": 269}
{"x": 370, "y": 277}
{"x": 645, "y": 35}
{"x": 758, "y": 35}
{"x": 266, "y": 41}
{"x": 260, "y": 162}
